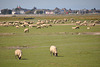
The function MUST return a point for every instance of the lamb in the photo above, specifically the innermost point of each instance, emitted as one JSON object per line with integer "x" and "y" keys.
{"x": 26, "y": 30}
{"x": 53, "y": 50}
{"x": 18, "y": 53}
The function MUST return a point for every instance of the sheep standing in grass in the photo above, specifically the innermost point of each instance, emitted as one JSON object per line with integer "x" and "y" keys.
{"x": 38, "y": 27}
{"x": 77, "y": 27}
{"x": 17, "y": 26}
{"x": 88, "y": 28}
{"x": 26, "y": 30}
{"x": 18, "y": 53}
{"x": 53, "y": 50}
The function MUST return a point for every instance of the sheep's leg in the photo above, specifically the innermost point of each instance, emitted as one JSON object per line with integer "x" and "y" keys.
{"x": 51, "y": 53}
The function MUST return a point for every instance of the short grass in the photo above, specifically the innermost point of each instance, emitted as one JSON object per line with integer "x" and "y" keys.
{"x": 50, "y": 17}
{"x": 73, "y": 50}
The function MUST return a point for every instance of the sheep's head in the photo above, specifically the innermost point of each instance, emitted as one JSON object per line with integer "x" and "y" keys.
{"x": 19, "y": 58}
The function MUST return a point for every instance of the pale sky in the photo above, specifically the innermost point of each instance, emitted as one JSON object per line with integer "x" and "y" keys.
{"x": 50, "y": 4}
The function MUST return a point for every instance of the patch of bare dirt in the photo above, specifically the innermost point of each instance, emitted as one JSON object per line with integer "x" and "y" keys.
{"x": 91, "y": 33}
{"x": 7, "y": 34}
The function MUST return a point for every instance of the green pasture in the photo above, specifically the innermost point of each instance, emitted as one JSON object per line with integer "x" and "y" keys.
{"x": 73, "y": 50}
{"x": 50, "y": 17}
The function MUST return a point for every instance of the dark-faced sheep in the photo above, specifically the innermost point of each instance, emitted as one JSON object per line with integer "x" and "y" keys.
{"x": 53, "y": 50}
{"x": 18, "y": 53}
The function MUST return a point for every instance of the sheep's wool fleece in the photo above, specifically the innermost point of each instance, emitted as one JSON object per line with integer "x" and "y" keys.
{"x": 53, "y": 49}
{"x": 18, "y": 52}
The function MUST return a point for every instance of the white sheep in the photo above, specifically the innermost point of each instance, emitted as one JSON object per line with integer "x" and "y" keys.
{"x": 88, "y": 28}
{"x": 77, "y": 27}
{"x": 17, "y": 26}
{"x": 44, "y": 25}
{"x": 26, "y": 30}
{"x": 38, "y": 27}
{"x": 53, "y": 50}
{"x": 73, "y": 27}
{"x": 18, "y": 53}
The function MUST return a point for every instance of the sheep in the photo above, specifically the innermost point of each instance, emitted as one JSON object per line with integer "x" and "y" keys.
{"x": 18, "y": 53}
{"x": 26, "y": 30}
{"x": 22, "y": 25}
{"x": 77, "y": 27}
{"x": 73, "y": 27}
{"x": 42, "y": 22}
{"x": 78, "y": 22}
{"x": 38, "y": 23}
{"x": 38, "y": 27}
{"x": 88, "y": 28}
{"x": 44, "y": 25}
{"x": 93, "y": 24}
{"x": 53, "y": 50}
{"x": 49, "y": 25}
{"x": 17, "y": 26}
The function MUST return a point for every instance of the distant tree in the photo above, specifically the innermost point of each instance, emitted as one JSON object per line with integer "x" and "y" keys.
{"x": 57, "y": 10}
{"x": 39, "y": 12}
{"x": 34, "y": 8}
{"x": 6, "y": 11}
{"x": 28, "y": 12}
{"x": 17, "y": 9}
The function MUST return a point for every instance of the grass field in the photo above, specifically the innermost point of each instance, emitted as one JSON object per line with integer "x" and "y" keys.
{"x": 73, "y": 50}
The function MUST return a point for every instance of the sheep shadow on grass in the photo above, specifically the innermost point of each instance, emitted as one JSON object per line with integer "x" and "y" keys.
{"x": 24, "y": 59}
{"x": 60, "y": 56}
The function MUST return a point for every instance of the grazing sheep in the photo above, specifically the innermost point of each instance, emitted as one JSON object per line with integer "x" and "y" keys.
{"x": 17, "y": 26}
{"x": 73, "y": 27}
{"x": 22, "y": 25}
{"x": 44, "y": 25}
{"x": 77, "y": 27}
{"x": 88, "y": 28}
{"x": 42, "y": 22}
{"x": 26, "y": 30}
{"x": 93, "y": 24}
{"x": 18, "y": 53}
{"x": 49, "y": 25}
{"x": 38, "y": 23}
{"x": 53, "y": 50}
{"x": 38, "y": 27}
{"x": 78, "y": 22}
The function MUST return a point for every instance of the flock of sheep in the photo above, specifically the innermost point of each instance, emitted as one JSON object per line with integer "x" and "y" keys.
{"x": 48, "y": 23}
{"x": 45, "y": 24}
{"x": 53, "y": 50}
{"x": 85, "y": 23}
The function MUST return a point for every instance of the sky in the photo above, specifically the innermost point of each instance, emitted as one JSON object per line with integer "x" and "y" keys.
{"x": 50, "y": 4}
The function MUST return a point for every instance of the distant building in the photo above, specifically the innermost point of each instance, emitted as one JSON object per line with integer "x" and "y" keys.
{"x": 49, "y": 12}
{"x": 18, "y": 10}
{"x": 0, "y": 11}
{"x": 39, "y": 11}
